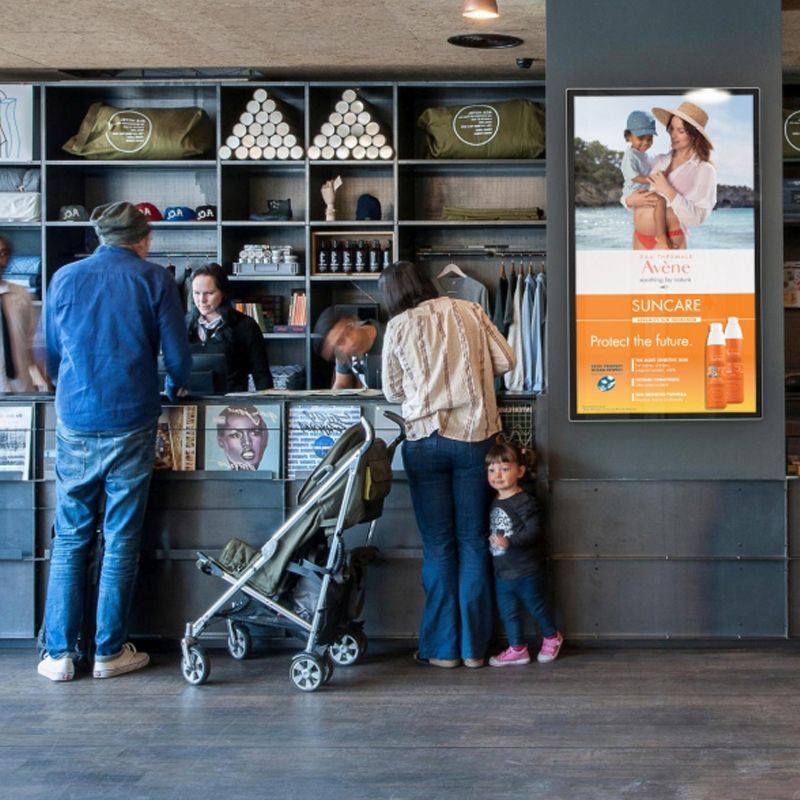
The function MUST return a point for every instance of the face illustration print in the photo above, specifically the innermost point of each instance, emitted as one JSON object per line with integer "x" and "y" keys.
{"x": 242, "y": 436}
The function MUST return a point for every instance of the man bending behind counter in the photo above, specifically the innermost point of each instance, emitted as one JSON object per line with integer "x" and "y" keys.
{"x": 354, "y": 344}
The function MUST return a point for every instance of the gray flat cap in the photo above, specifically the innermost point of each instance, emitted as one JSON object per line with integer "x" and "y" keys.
{"x": 119, "y": 223}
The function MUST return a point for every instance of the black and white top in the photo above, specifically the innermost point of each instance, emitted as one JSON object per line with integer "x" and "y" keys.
{"x": 517, "y": 518}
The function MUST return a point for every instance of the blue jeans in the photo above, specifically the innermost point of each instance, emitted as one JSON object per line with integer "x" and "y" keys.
{"x": 88, "y": 464}
{"x": 451, "y": 496}
{"x": 513, "y": 596}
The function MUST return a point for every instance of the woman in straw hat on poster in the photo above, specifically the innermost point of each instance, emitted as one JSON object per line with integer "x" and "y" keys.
{"x": 685, "y": 176}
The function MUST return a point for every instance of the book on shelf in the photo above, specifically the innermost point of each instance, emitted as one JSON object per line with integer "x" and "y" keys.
{"x": 298, "y": 309}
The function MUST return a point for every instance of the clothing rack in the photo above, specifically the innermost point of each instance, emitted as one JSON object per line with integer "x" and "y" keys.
{"x": 490, "y": 251}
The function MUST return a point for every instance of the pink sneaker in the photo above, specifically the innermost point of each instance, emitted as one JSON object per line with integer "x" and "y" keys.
{"x": 551, "y": 647}
{"x": 511, "y": 657}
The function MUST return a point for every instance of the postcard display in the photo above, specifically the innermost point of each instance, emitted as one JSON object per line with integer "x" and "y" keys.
{"x": 664, "y": 332}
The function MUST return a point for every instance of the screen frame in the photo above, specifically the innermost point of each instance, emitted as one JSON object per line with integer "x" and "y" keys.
{"x": 574, "y": 414}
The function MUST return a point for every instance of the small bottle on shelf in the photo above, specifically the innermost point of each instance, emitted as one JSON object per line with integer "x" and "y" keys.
{"x": 335, "y": 264}
{"x": 361, "y": 256}
{"x": 347, "y": 257}
{"x": 387, "y": 256}
{"x": 375, "y": 256}
{"x": 323, "y": 258}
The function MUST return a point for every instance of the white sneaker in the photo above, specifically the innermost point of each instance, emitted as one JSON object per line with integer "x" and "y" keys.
{"x": 128, "y": 660}
{"x": 56, "y": 669}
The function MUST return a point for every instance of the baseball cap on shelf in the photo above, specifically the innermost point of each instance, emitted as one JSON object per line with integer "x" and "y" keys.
{"x": 368, "y": 207}
{"x": 150, "y": 211}
{"x": 206, "y": 213}
{"x": 73, "y": 213}
{"x": 179, "y": 214}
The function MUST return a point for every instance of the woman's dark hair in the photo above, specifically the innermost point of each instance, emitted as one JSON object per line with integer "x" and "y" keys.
{"x": 699, "y": 142}
{"x": 219, "y": 276}
{"x": 5, "y": 242}
{"x": 509, "y": 453}
{"x": 404, "y": 286}
{"x": 217, "y": 273}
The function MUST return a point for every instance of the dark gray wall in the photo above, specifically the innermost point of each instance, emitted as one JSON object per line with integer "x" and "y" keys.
{"x": 683, "y": 43}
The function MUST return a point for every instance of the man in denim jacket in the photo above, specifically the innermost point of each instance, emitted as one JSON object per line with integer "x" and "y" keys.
{"x": 106, "y": 318}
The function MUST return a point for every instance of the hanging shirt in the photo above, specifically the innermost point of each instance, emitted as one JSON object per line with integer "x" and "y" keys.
{"x": 509, "y": 314}
{"x": 515, "y": 378}
{"x": 537, "y": 326}
{"x": 498, "y": 318}
{"x": 528, "y": 292}
{"x": 465, "y": 288}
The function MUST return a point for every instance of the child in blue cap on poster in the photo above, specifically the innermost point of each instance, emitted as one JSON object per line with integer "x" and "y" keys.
{"x": 639, "y": 132}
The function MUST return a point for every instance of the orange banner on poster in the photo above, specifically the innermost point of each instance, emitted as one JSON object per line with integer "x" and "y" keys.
{"x": 650, "y": 354}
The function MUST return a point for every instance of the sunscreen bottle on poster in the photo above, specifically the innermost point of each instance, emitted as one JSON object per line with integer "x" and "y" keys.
{"x": 715, "y": 367}
{"x": 734, "y": 373}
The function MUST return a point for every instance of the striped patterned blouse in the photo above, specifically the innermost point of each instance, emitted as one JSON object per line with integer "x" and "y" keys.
{"x": 439, "y": 360}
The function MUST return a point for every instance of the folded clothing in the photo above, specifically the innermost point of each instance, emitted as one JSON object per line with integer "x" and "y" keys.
{"x": 13, "y": 179}
{"x": 458, "y": 212}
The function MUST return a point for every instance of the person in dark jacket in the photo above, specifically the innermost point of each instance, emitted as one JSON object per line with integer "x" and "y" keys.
{"x": 215, "y": 326}
{"x": 515, "y": 541}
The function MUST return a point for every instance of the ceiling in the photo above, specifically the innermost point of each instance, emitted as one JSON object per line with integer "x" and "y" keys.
{"x": 280, "y": 40}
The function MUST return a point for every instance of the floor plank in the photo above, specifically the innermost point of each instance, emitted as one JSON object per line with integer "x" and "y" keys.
{"x": 598, "y": 724}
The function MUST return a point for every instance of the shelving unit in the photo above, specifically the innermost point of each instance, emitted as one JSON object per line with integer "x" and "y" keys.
{"x": 411, "y": 188}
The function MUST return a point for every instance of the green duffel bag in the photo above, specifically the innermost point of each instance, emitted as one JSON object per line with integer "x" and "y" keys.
{"x": 142, "y": 133}
{"x": 509, "y": 129}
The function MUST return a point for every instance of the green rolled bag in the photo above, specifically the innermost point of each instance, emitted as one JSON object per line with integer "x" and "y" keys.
{"x": 508, "y": 129}
{"x": 142, "y": 133}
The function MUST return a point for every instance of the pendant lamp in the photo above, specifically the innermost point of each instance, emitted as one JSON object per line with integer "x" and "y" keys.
{"x": 480, "y": 9}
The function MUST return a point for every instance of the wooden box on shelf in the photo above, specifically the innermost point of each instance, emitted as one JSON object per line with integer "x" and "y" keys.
{"x": 324, "y": 240}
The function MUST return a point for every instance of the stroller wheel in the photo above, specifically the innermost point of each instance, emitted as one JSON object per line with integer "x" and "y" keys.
{"x": 307, "y": 672}
{"x": 197, "y": 668}
{"x": 240, "y": 643}
{"x": 347, "y": 649}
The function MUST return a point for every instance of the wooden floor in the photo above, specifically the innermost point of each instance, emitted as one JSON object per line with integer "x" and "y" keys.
{"x": 598, "y": 724}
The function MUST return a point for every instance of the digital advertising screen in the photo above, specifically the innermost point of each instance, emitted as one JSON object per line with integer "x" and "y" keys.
{"x": 664, "y": 250}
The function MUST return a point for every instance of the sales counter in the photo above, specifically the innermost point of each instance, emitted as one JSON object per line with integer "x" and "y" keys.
{"x": 201, "y": 496}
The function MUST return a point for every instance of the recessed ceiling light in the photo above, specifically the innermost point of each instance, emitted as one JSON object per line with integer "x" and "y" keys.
{"x": 485, "y": 41}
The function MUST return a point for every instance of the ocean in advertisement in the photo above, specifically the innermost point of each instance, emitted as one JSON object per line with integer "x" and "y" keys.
{"x": 611, "y": 228}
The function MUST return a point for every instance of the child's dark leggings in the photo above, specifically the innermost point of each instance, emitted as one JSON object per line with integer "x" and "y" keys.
{"x": 523, "y": 594}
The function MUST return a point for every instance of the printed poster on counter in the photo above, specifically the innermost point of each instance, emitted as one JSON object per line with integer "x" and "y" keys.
{"x": 15, "y": 440}
{"x": 241, "y": 436}
{"x": 664, "y": 254}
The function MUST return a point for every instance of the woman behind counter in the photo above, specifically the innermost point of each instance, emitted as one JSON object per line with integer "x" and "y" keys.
{"x": 440, "y": 358}
{"x": 215, "y": 326}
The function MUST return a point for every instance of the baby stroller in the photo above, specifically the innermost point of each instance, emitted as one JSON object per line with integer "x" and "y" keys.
{"x": 302, "y": 579}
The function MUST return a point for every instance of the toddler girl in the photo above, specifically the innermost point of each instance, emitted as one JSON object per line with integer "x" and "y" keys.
{"x": 516, "y": 544}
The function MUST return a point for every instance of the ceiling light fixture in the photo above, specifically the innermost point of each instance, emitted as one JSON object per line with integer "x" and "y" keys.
{"x": 480, "y": 9}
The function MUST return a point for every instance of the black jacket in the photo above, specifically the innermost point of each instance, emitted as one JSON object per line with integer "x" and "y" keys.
{"x": 242, "y": 342}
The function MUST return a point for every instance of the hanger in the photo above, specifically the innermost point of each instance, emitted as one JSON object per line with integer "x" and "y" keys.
{"x": 502, "y": 269}
{"x": 513, "y": 268}
{"x": 452, "y": 269}
{"x": 530, "y": 268}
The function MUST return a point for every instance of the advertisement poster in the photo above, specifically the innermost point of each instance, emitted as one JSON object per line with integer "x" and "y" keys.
{"x": 243, "y": 437}
{"x": 664, "y": 253}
